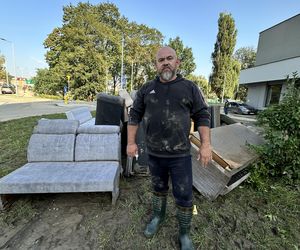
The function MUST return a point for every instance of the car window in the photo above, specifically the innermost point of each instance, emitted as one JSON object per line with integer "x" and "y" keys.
{"x": 246, "y": 105}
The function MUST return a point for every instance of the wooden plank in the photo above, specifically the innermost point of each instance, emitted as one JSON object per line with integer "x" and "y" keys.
{"x": 231, "y": 156}
{"x": 211, "y": 180}
{"x": 215, "y": 156}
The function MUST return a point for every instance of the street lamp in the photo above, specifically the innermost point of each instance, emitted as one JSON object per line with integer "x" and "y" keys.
{"x": 14, "y": 61}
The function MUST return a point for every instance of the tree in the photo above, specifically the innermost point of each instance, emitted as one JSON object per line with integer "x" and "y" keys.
{"x": 246, "y": 57}
{"x": 141, "y": 43}
{"x": 88, "y": 48}
{"x": 202, "y": 82}
{"x": 185, "y": 55}
{"x": 77, "y": 48}
{"x": 225, "y": 70}
{"x": 47, "y": 82}
{"x": 2, "y": 68}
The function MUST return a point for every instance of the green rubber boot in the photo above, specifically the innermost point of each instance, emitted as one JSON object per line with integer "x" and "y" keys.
{"x": 184, "y": 216}
{"x": 159, "y": 204}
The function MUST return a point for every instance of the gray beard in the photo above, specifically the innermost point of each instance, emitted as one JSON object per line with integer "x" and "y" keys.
{"x": 167, "y": 75}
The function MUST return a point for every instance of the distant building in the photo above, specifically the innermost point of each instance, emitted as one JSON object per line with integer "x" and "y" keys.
{"x": 278, "y": 55}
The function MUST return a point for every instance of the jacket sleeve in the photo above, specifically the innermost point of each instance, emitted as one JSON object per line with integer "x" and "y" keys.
{"x": 137, "y": 110}
{"x": 200, "y": 112}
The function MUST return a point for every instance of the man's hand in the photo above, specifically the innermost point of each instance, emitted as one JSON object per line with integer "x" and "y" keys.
{"x": 205, "y": 155}
{"x": 132, "y": 150}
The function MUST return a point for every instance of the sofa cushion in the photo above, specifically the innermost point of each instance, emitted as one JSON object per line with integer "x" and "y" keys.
{"x": 56, "y": 126}
{"x": 81, "y": 114}
{"x": 59, "y": 177}
{"x": 97, "y": 147}
{"x": 98, "y": 129}
{"x": 50, "y": 147}
{"x": 88, "y": 123}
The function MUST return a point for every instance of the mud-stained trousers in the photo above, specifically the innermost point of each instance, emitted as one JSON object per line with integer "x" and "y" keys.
{"x": 180, "y": 170}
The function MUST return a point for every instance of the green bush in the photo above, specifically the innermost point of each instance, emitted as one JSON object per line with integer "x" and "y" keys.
{"x": 280, "y": 156}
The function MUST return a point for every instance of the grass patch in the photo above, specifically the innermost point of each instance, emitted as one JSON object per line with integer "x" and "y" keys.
{"x": 21, "y": 210}
{"x": 246, "y": 218}
{"x": 14, "y": 138}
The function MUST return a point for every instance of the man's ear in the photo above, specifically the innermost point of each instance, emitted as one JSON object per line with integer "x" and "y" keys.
{"x": 178, "y": 62}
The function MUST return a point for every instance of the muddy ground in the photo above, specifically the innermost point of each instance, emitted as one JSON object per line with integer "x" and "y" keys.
{"x": 88, "y": 221}
{"x": 80, "y": 221}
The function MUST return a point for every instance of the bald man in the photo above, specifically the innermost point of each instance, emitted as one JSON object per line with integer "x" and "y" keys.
{"x": 167, "y": 104}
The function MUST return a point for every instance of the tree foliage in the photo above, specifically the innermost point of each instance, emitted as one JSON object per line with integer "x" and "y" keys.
{"x": 141, "y": 43}
{"x": 2, "y": 68}
{"x": 225, "y": 71}
{"x": 88, "y": 49}
{"x": 47, "y": 82}
{"x": 201, "y": 81}
{"x": 185, "y": 55}
{"x": 246, "y": 57}
{"x": 241, "y": 93}
{"x": 280, "y": 156}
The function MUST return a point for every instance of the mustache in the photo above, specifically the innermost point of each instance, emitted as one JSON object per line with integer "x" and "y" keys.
{"x": 167, "y": 67}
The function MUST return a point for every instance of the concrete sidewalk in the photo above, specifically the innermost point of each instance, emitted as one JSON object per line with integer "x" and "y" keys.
{"x": 34, "y": 107}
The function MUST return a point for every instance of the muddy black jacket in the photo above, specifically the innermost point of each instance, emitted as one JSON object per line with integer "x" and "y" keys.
{"x": 166, "y": 110}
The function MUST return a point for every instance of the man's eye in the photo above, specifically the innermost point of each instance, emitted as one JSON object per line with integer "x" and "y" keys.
{"x": 161, "y": 60}
{"x": 170, "y": 58}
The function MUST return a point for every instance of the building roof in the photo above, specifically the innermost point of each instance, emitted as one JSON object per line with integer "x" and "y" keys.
{"x": 280, "y": 42}
{"x": 287, "y": 20}
{"x": 270, "y": 72}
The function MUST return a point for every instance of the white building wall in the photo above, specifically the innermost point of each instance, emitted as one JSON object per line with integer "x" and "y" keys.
{"x": 270, "y": 72}
{"x": 256, "y": 95}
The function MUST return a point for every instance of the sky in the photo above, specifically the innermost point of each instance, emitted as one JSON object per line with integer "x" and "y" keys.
{"x": 26, "y": 24}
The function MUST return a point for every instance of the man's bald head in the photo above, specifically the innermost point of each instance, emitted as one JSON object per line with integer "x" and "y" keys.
{"x": 164, "y": 50}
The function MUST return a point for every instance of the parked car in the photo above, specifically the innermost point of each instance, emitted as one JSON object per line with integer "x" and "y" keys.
{"x": 7, "y": 88}
{"x": 241, "y": 108}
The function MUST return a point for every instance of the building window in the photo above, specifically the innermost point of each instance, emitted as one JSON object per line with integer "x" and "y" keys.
{"x": 273, "y": 94}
